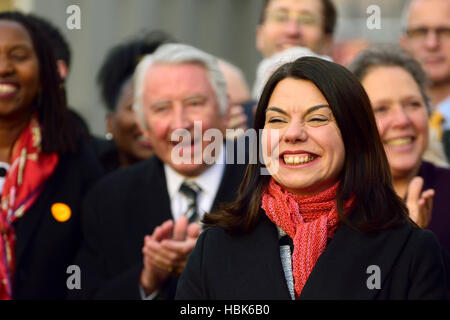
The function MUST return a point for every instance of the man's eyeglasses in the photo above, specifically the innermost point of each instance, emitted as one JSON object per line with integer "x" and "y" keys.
{"x": 282, "y": 17}
{"x": 421, "y": 34}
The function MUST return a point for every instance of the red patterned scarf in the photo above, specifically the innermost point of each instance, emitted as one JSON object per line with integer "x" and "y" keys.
{"x": 308, "y": 220}
{"x": 29, "y": 170}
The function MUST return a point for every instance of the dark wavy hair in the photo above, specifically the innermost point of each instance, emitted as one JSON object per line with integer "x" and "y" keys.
{"x": 59, "y": 43}
{"x": 121, "y": 61}
{"x": 365, "y": 174}
{"x": 59, "y": 133}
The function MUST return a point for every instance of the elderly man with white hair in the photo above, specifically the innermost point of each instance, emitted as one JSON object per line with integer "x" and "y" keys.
{"x": 141, "y": 223}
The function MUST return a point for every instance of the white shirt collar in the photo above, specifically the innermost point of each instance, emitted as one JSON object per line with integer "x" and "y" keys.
{"x": 173, "y": 180}
{"x": 209, "y": 182}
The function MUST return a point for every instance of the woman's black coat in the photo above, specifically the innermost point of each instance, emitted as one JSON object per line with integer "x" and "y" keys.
{"x": 45, "y": 248}
{"x": 249, "y": 266}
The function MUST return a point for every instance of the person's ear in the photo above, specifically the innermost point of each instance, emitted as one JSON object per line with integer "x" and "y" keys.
{"x": 63, "y": 70}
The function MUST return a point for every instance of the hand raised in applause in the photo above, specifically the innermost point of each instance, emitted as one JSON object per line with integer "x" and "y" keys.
{"x": 182, "y": 244}
{"x": 419, "y": 203}
{"x": 151, "y": 276}
{"x": 165, "y": 252}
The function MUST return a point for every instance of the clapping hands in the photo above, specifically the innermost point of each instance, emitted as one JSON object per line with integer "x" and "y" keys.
{"x": 165, "y": 252}
{"x": 419, "y": 203}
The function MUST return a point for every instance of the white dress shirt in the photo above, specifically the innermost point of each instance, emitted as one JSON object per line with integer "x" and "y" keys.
{"x": 209, "y": 182}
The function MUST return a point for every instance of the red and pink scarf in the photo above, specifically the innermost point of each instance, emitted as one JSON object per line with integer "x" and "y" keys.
{"x": 309, "y": 220}
{"x": 29, "y": 170}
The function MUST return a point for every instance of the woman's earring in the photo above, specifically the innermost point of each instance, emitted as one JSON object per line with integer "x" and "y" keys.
{"x": 108, "y": 136}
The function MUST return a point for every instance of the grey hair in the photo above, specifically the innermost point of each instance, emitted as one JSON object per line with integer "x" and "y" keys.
{"x": 269, "y": 65}
{"x": 388, "y": 55}
{"x": 179, "y": 54}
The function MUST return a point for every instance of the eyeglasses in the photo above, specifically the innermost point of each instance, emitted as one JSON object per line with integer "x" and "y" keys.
{"x": 420, "y": 34}
{"x": 283, "y": 17}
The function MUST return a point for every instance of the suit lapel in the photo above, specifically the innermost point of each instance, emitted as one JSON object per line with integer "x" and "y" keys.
{"x": 341, "y": 271}
{"x": 153, "y": 196}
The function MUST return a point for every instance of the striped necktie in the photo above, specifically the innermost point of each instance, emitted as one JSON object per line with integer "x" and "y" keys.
{"x": 191, "y": 190}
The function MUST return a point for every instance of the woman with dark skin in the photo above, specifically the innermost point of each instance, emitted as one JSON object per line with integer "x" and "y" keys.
{"x": 48, "y": 171}
{"x": 326, "y": 217}
{"x": 115, "y": 79}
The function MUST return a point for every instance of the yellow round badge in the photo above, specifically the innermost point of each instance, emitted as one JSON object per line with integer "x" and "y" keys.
{"x": 61, "y": 212}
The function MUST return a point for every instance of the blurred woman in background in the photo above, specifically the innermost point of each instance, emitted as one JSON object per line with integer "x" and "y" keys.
{"x": 395, "y": 84}
{"x": 48, "y": 167}
{"x": 115, "y": 79}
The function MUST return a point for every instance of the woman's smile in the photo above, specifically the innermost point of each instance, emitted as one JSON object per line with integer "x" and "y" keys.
{"x": 297, "y": 158}
{"x": 8, "y": 90}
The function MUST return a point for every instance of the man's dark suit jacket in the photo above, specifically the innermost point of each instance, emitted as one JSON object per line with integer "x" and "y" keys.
{"x": 45, "y": 248}
{"x": 119, "y": 212}
{"x": 249, "y": 266}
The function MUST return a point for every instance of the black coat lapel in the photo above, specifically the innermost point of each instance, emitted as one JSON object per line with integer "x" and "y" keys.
{"x": 152, "y": 195}
{"x": 341, "y": 271}
{"x": 273, "y": 273}
{"x": 253, "y": 269}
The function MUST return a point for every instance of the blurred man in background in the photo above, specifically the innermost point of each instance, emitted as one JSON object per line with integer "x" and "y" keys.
{"x": 289, "y": 23}
{"x": 427, "y": 37}
{"x": 285, "y": 24}
{"x": 136, "y": 232}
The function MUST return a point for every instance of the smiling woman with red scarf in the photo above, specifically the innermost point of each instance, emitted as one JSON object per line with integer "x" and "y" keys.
{"x": 325, "y": 216}
{"x": 48, "y": 167}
